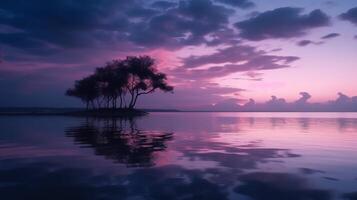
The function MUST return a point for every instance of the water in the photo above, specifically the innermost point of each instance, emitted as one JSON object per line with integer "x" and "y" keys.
{"x": 260, "y": 156}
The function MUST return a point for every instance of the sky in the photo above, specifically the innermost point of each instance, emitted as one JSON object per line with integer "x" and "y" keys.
{"x": 219, "y": 54}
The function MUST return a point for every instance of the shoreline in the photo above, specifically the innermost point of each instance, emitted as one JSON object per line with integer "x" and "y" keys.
{"x": 103, "y": 113}
{"x": 122, "y": 113}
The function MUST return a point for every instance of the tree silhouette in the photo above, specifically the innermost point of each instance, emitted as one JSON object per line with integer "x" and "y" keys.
{"x": 144, "y": 78}
{"x": 118, "y": 81}
{"x": 87, "y": 89}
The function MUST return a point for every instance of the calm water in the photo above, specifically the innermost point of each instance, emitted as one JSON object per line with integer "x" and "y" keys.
{"x": 260, "y": 156}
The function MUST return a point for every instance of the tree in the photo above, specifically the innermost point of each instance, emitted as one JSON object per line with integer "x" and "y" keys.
{"x": 87, "y": 89}
{"x": 112, "y": 80}
{"x": 144, "y": 78}
{"x": 120, "y": 80}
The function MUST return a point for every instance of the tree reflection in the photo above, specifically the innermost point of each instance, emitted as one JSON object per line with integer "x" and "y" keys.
{"x": 120, "y": 140}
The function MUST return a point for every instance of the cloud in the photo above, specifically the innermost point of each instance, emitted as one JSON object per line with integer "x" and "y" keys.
{"x": 190, "y": 95}
{"x": 43, "y": 31}
{"x": 186, "y": 24}
{"x": 46, "y": 40}
{"x": 342, "y": 103}
{"x": 163, "y": 4}
{"x": 89, "y": 24}
{"x": 252, "y": 76}
{"x": 303, "y": 43}
{"x": 238, "y": 3}
{"x": 235, "y": 54}
{"x": 330, "y": 3}
{"x": 304, "y": 98}
{"x": 331, "y": 35}
{"x": 283, "y": 22}
{"x": 239, "y": 58}
{"x": 64, "y": 23}
{"x": 350, "y": 15}
{"x": 140, "y": 12}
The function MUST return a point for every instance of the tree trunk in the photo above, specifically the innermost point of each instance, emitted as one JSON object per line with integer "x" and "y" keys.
{"x": 124, "y": 102}
{"x": 132, "y": 93}
{"x": 93, "y": 104}
{"x": 121, "y": 101}
{"x": 113, "y": 103}
{"x": 136, "y": 98}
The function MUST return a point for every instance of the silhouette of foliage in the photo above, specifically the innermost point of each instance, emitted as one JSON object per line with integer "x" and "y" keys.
{"x": 120, "y": 81}
{"x": 87, "y": 89}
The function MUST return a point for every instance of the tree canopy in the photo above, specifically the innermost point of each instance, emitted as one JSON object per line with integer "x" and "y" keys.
{"x": 120, "y": 83}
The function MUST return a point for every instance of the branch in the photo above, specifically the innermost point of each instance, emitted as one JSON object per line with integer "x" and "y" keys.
{"x": 147, "y": 92}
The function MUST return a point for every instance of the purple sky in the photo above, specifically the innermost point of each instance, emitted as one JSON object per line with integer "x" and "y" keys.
{"x": 219, "y": 54}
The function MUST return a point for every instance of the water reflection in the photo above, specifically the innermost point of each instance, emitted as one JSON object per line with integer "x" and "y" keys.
{"x": 120, "y": 140}
{"x": 43, "y": 181}
{"x": 265, "y": 185}
{"x": 350, "y": 196}
{"x": 179, "y": 156}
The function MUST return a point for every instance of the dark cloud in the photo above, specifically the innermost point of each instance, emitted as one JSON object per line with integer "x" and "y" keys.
{"x": 350, "y": 15}
{"x": 252, "y": 76}
{"x": 331, "y": 35}
{"x": 238, "y": 3}
{"x": 48, "y": 39}
{"x": 89, "y": 24}
{"x": 163, "y": 4}
{"x": 309, "y": 171}
{"x": 44, "y": 34}
{"x": 235, "y": 54}
{"x": 303, "y": 43}
{"x": 283, "y": 22}
{"x": 276, "y": 50}
{"x": 140, "y": 12}
{"x": 63, "y": 23}
{"x": 240, "y": 58}
{"x": 186, "y": 24}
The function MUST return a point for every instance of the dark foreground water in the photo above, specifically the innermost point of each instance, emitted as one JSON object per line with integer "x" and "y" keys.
{"x": 260, "y": 156}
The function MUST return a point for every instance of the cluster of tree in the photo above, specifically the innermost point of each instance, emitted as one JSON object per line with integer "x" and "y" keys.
{"x": 120, "y": 83}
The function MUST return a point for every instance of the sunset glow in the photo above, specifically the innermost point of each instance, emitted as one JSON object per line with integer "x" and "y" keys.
{"x": 213, "y": 51}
